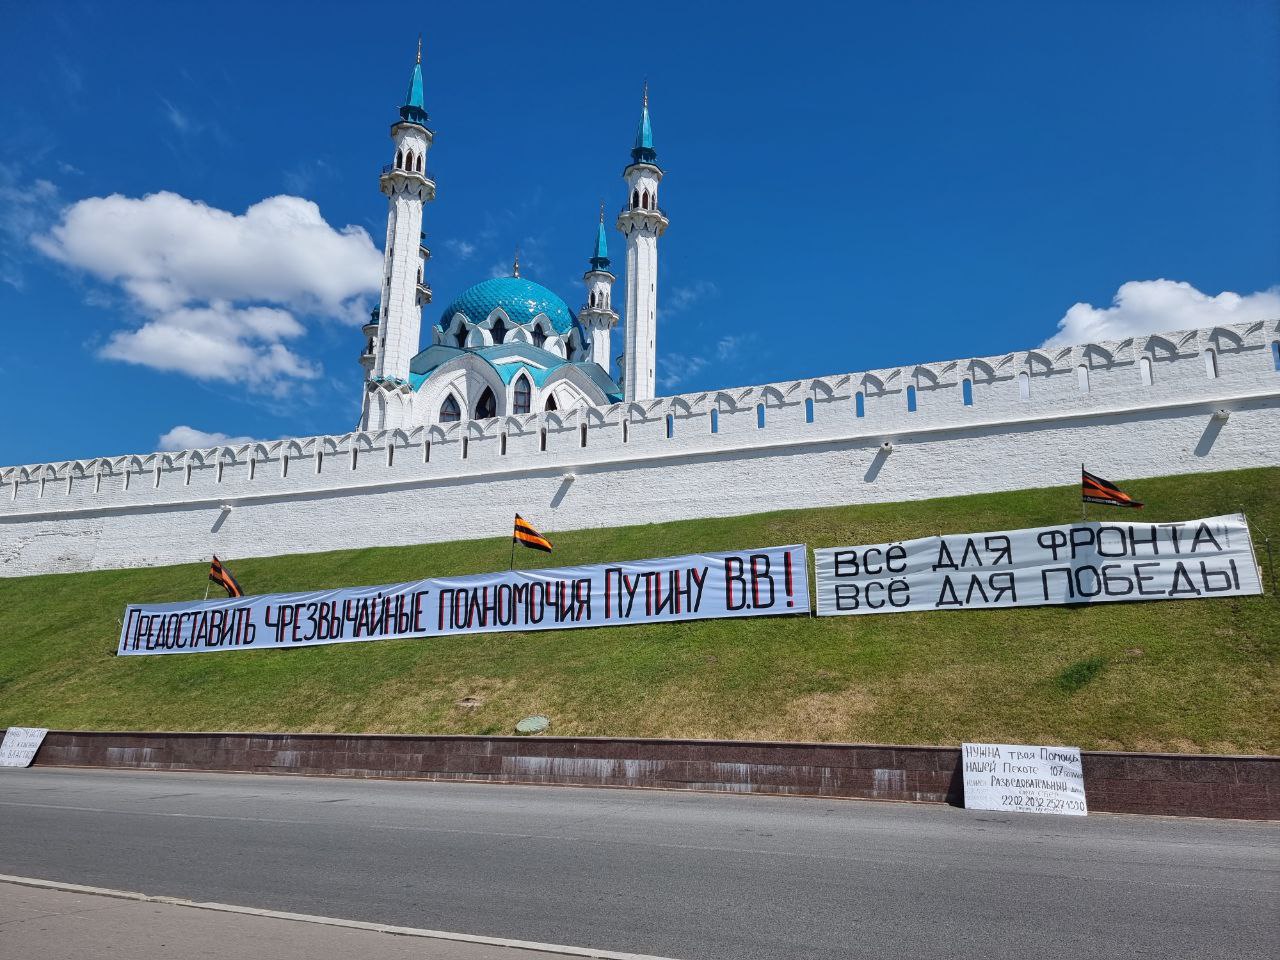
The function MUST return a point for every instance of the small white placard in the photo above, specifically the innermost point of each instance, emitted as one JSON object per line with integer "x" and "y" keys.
{"x": 20, "y": 746}
{"x": 1023, "y": 779}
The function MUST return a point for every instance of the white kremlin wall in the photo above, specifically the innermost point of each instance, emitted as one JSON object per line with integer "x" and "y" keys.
{"x": 1150, "y": 406}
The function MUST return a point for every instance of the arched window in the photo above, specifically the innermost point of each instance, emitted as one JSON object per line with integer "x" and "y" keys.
{"x": 504, "y": 443}
{"x": 450, "y": 412}
{"x": 715, "y": 421}
{"x": 498, "y": 330}
{"x": 487, "y": 407}
{"x": 521, "y": 394}
{"x": 542, "y": 442}
{"x": 539, "y": 336}
{"x": 859, "y": 404}
{"x": 1024, "y": 386}
{"x": 966, "y": 392}
{"x": 760, "y": 415}
{"x": 420, "y": 158}
{"x": 582, "y": 430}
{"x": 1144, "y": 370}
{"x": 808, "y": 410}
{"x": 911, "y": 398}
{"x": 461, "y": 337}
{"x": 551, "y": 404}
{"x": 671, "y": 426}
{"x": 1275, "y": 353}
{"x": 635, "y": 198}
{"x": 1211, "y": 364}
{"x": 399, "y": 160}
{"x": 1082, "y": 378}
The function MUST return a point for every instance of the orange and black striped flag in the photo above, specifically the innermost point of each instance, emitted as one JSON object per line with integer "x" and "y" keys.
{"x": 223, "y": 578}
{"x": 524, "y": 533}
{"x": 1094, "y": 489}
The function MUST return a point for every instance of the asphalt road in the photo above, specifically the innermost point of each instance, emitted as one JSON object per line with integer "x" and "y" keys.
{"x": 679, "y": 875}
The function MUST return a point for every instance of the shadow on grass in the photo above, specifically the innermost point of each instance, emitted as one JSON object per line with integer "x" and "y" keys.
{"x": 1079, "y": 675}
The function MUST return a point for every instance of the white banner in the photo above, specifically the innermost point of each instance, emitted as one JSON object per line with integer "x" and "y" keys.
{"x": 1023, "y": 779}
{"x": 1086, "y": 562}
{"x": 746, "y": 583}
{"x": 20, "y": 745}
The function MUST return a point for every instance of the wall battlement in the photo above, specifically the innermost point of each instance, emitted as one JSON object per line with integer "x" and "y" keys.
{"x": 1113, "y": 403}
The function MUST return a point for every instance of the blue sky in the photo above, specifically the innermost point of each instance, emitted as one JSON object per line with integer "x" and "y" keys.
{"x": 850, "y": 186}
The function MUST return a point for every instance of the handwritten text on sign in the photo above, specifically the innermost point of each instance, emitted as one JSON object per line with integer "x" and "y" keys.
{"x": 748, "y": 583}
{"x": 20, "y": 745}
{"x": 1073, "y": 563}
{"x": 1022, "y": 779}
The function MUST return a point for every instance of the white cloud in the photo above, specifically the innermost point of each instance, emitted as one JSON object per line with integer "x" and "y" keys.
{"x": 218, "y": 342}
{"x": 25, "y": 208}
{"x": 728, "y": 347}
{"x": 183, "y": 437}
{"x": 684, "y": 296}
{"x": 178, "y": 118}
{"x": 168, "y": 251}
{"x": 1154, "y": 306}
{"x": 460, "y": 248}
{"x": 218, "y": 292}
{"x": 676, "y": 368}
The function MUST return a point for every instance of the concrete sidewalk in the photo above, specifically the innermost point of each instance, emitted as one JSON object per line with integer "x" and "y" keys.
{"x": 50, "y": 924}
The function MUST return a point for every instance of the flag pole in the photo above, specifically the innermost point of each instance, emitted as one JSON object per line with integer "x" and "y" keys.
{"x": 1084, "y": 504}
{"x": 511, "y": 564}
{"x": 207, "y": 581}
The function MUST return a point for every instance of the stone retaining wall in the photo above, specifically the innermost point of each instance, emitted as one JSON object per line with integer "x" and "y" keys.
{"x": 1164, "y": 784}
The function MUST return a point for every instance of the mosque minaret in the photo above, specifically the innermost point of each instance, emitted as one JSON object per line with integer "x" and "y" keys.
{"x": 597, "y": 314}
{"x": 642, "y": 223}
{"x": 506, "y": 345}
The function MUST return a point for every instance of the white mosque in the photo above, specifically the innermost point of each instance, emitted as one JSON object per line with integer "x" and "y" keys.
{"x": 506, "y": 345}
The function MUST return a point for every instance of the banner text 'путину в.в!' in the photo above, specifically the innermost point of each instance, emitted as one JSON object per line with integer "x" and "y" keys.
{"x": 1086, "y": 562}
{"x": 743, "y": 583}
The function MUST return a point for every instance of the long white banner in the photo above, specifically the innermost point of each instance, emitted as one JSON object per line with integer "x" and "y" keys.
{"x": 746, "y": 583}
{"x": 1087, "y": 562}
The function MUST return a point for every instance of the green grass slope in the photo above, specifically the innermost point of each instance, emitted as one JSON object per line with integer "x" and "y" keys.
{"x": 1174, "y": 675}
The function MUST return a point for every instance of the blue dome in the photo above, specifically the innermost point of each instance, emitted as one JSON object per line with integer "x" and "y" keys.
{"x": 521, "y": 299}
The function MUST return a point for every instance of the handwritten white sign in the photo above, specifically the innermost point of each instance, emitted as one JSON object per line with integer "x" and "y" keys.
{"x": 1023, "y": 779}
{"x": 20, "y": 746}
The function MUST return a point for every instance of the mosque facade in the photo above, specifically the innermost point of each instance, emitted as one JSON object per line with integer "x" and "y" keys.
{"x": 506, "y": 345}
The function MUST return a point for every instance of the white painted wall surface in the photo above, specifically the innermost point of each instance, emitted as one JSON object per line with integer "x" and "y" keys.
{"x": 436, "y": 484}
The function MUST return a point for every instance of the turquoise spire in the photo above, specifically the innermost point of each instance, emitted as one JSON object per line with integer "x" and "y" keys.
{"x": 600, "y": 261}
{"x": 643, "y": 151}
{"x": 414, "y": 111}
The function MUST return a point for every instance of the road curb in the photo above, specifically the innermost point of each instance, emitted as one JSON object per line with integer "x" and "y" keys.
{"x": 548, "y": 948}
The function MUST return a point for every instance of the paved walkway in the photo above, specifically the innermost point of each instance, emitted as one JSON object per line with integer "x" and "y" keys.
{"x": 47, "y": 924}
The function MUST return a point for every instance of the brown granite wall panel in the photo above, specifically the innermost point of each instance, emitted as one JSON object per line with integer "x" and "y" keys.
{"x": 1167, "y": 784}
